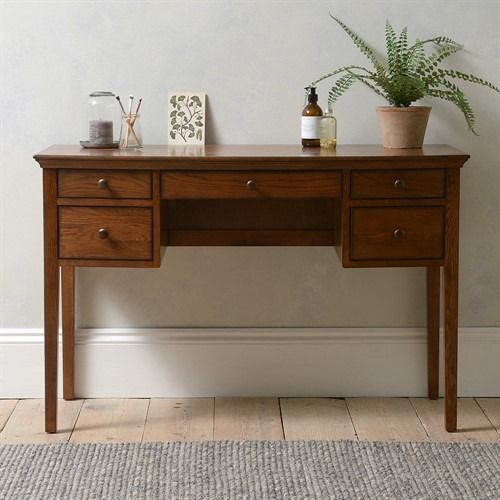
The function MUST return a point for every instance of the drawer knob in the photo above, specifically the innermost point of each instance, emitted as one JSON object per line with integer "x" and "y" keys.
{"x": 251, "y": 184}
{"x": 399, "y": 184}
{"x": 103, "y": 233}
{"x": 102, "y": 183}
{"x": 398, "y": 234}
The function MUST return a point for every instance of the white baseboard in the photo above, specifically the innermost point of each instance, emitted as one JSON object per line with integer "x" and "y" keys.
{"x": 194, "y": 362}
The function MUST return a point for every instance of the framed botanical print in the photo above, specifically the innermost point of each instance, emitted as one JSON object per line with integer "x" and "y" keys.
{"x": 186, "y": 118}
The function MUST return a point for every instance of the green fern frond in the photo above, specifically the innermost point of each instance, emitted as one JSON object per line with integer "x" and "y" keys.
{"x": 390, "y": 46}
{"x": 444, "y": 40}
{"x": 403, "y": 50}
{"x": 365, "y": 80}
{"x": 443, "y": 52}
{"x": 340, "y": 87}
{"x": 360, "y": 44}
{"x": 468, "y": 77}
{"x": 336, "y": 72}
{"x": 458, "y": 98}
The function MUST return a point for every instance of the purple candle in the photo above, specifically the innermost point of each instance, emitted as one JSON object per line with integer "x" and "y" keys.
{"x": 101, "y": 132}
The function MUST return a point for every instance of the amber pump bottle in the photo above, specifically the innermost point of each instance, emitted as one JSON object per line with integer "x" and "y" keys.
{"x": 311, "y": 120}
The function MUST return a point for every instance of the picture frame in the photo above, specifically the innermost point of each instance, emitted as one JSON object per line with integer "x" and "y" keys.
{"x": 186, "y": 118}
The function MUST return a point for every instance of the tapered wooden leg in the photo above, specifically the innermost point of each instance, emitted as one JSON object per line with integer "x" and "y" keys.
{"x": 451, "y": 299}
{"x": 51, "y": 297}
{"x": 68, "y": 330}
{"x": 433, "y": 291}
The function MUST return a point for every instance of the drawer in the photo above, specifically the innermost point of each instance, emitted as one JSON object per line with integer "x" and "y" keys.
{"x": 104, "y": 184}
{"x": 250, "y": 185}
{"x": 397, "y": 184}
{"x": 397, "y": 233}
{"x": 105, "y": 233}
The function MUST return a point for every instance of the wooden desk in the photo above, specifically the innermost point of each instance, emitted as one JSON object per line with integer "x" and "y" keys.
{"x": 378, "y": 207}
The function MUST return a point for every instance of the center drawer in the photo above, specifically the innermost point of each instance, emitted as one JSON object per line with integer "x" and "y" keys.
{"x": 397, "y": 233}
{"x": 105, "y": 233}
{"x": 251, "y": 184}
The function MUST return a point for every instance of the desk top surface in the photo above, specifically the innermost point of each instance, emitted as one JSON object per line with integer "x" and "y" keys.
{"x": 211, "y": 152}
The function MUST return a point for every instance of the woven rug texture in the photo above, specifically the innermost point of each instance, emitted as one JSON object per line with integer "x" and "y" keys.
{"x": 238, "y": 470}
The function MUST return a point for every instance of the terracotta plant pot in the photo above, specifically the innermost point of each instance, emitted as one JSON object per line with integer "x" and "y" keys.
{"x": 403, "y": 127}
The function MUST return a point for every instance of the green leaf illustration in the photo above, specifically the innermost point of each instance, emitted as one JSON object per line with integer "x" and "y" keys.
{"x": 172, "y": 134}
{"x": 199, "y": 135}
{"x": 173, "y": 113}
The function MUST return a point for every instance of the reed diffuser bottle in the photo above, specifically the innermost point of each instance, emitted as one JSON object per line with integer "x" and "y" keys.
{"x": 311, "y": 118}
{"x": 328, "y": 129}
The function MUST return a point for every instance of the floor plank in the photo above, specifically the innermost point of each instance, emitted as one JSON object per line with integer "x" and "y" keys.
{"x": 247, "y": 418}
{"x": 472, "y": 422}
{"x": 316, "y": 418}
{"x": 111, "y": 420}
{"x": 27, "y": 422}
{"x": 180, "y": 420}
{"x": 491, "y": 407}
{"x": 6, "y": 408}
{"x": 385, "y": 419}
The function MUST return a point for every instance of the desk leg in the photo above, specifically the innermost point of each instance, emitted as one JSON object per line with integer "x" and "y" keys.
{"x": 51, "y": 297}
{"x": 68, "y": 330}
{"x": 433, "y": 292}
{"x": 451, "y": 298}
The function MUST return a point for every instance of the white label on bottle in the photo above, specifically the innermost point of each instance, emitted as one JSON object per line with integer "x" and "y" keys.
{"x": 311, "y": 127}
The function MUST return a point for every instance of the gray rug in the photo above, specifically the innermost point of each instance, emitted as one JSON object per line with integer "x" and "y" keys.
{"x": 240, "y": 470}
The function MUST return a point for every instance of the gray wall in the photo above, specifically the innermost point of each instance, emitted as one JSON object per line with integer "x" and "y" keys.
{"x": 253, "y": 59}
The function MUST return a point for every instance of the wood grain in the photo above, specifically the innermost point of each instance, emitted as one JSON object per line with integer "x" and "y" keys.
{"x": 385, "y": 419}
{"x": 6, "y": 408}
{"x": 228, "y": 185}
{"x": 316, "y": 418}
{"x": 251, "y": 157}
{"x": 397, "y": 184}
{"x": 372, "y": 233}
{"x": 129, "y": 233}
{"x": 451, "y": 298}
{"x": 491, "y": 408}
{"x": 247, "y": 237}
{"x": 26, "y": 424}
{"x": 312, "y": 213}
{"x": 51, "y": 297}
{"x": 156, "y": 234}
{"x": 247, "y": 418}
{"x": 68, "y": 331}
{"x": 433, "y": 296}
{"x": 111, "y": 421}
{"x": 472, "y": 423}
{"x": 180, "y": 420}
{"x": 119, "y": 184}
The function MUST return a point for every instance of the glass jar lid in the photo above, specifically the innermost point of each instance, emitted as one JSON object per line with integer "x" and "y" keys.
{"x": 100, "y": 93}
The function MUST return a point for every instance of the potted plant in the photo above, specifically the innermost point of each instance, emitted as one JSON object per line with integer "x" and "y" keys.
{"x": 406, "y": 75}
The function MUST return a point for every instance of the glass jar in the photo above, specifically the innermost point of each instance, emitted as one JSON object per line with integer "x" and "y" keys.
{"x": 102, "y": 120}
{"x": 130, "y": 133}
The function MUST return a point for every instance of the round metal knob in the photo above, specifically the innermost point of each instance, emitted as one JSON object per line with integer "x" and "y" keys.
{"x": 399, "y": 184}
{"x": 398, "y": 234}
{"x": 102, "y": 183}
{"x": 251, "y": 184}
{"x": 103, "y": 233}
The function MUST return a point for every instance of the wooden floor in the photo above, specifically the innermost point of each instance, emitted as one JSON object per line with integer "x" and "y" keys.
{"x": 119, "y": 420}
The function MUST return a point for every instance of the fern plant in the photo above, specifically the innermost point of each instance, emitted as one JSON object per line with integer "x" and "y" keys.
{"x": 408, "y": 73}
